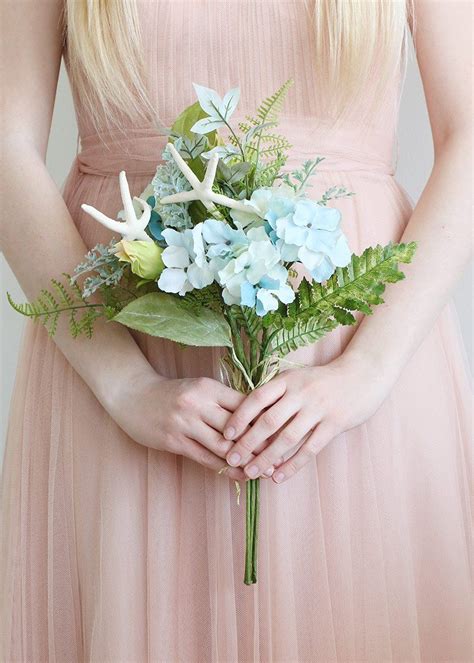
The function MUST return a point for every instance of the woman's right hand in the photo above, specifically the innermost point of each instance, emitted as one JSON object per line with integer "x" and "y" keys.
{"x": 184, "y": 416}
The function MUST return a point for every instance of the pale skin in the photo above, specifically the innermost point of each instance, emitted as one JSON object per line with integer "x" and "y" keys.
{"x": 343, "y": 393}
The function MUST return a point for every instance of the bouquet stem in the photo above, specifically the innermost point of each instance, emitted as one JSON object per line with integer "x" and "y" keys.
{"x": 245, "y": 371}
{"x": 252, "y": 512}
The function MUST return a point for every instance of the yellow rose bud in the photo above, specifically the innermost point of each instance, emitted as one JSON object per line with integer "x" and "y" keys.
{"x": 144, "y": 257}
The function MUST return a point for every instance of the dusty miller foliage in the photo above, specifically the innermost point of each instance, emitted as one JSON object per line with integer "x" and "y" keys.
{"x": 104, "y": 267}
{"x": 169, "y": 180}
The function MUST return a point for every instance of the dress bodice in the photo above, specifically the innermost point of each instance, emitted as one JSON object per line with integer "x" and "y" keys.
{"x": 256, "y": 45}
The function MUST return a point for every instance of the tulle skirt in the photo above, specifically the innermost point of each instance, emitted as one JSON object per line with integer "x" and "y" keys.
{"x": 114, "y": 552}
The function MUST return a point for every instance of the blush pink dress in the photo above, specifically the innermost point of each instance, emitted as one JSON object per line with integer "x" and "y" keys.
{"x": 111, "y": 551}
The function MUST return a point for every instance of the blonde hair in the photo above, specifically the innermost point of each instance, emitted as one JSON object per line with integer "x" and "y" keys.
{"x": 103, "y": 56}
{"x": 354, "y": 40}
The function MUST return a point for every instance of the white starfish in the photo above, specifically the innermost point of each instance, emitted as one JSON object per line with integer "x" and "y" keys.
{"x": 133, "y": 227}
{"x": 201, "y": 190}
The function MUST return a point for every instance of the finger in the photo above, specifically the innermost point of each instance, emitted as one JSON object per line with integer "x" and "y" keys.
{"x": 268, "y": 423}
{"x": 291, "y": 435}
{"x": 228, "y": 398}
{"x": 321, "y": 436}
{"x": 209, "y": 438}
{"x": 195, "y": 451}
{"x": 216, "y": 416}
{"x": 252, "y": 405}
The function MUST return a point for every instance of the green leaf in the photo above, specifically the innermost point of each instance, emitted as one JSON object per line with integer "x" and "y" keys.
{"x": 169, "y": 316}
{"x": 283, "y": 341}
{"x": 186, "y": 119}
{"x": 319, "y": 308}
{"x": 357, "y": 287}
{"x": 62, "y": 299}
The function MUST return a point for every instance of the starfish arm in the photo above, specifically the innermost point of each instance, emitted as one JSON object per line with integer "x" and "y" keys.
{"x": 181, "y": 197}
{"x": 115, "y": 226}
{"x": 210, "y": 172}
{"x": 183, "y": 166}
{"x": 126, "y": 198}
{"x": 134, "y": 234}
{"x": 220, "y": 199}
{"x": 144, "y": 219}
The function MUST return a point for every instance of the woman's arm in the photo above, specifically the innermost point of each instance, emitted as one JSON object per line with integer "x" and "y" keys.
{"x": 40, "y": 240}
{"x": 345, "y": 392}
{"x": 38, "y": 236}
{"x": 442, "y": 220}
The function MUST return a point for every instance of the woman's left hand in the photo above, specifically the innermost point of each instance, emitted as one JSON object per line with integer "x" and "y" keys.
{"x": 317, "y": 403}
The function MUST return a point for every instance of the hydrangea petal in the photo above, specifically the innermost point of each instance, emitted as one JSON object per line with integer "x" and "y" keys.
{"x": 175, "y": 256}
{"x": 199, "y": 277}
{"x": 323, "y": 271}
{"x": 247, "y": 294}
{"x": 172, "y": 280}
{"x": 173, "y": 237}
{"x": 266, "y": 301}
{"x": 326, "y": 218}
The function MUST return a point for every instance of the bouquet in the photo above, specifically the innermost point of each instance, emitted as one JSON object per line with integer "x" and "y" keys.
{"x": 208, "y": 254}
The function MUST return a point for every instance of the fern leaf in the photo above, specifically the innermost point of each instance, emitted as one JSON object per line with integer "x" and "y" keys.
{"x": 270, "y": 107}
{"x": 283, "y": 341}
{"x": 357, "y": 287}
{"x": 319, "y": 308}
{"x": 69, "y": 299}
{"x": 266, "y": 175}
{"x": 246, "y": 317}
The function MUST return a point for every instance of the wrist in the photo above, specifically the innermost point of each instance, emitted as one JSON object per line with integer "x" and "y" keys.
{"x": 119, "y": 386}
{"x": 370, "y": 365}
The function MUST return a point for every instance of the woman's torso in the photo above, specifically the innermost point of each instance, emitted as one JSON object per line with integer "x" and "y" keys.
{"x": 256, "y": 45}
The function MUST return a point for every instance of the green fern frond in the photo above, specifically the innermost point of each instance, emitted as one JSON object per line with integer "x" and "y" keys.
{"x": 246, "y": 318}
{"x": 209, "y": 297}
{"x": 62, "y": 298}
{"x": 321, "y": 307}
{"x": 260, "y": 143}
{"x": 266, "y": 175}
{"x": 360, "y": 285}
{"x": 303, "y": 333}
{"x": 270, "y": 108}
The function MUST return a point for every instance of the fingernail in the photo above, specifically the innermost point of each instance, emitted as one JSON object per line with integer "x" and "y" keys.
{"x": 279, "y": 476}
{"x": 252, "y": 471}
{"x": 269, "y": 472}
{"x": 229, "y": 433}
{"x": 234, "y": 459}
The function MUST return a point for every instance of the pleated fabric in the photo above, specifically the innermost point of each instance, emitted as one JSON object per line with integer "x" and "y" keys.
{"x": 114, "y": 552}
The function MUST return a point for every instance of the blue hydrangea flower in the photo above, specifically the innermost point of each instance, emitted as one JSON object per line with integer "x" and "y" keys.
{"x": 248, "y": 268}
{"x": 186, "y": 265}
{"x": 265, "y": 294}
{"x": 222, "y": 240}
{"x": 310, "y": 234}
{"x": 259, "y": 204}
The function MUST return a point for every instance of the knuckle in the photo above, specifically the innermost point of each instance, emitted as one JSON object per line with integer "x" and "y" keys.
{"x": 259, "y": 395}
{"x": 270, "y": 419}
{"x": 312, "y": 446}
{"x": 202, "y": 382}
{"x": 287, "y": 439}
{"x": 185, "y": 399}
{"x": 246, "y": 445}
{"x": 291, "y": 467}
{"x": 264, "y": 462}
